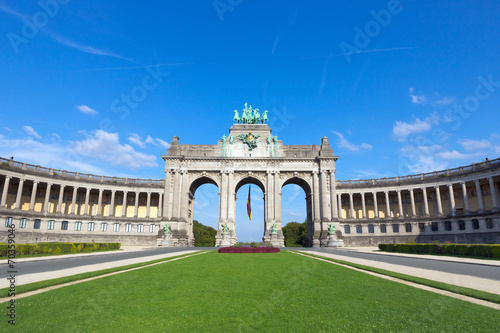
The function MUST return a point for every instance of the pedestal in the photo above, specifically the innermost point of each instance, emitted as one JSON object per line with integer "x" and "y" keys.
{"x": 167, "y": 240}
{"x": 225, "y": 239}
{"x": 274, "y": 240}
{"x": 334, "y": 242}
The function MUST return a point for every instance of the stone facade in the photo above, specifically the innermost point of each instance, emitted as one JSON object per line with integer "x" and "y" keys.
{"x": 457, "y": 205}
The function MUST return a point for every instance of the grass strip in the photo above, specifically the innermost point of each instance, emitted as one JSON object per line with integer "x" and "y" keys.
{"x": 483, "y": 295}
{"x": 20, "y": 256}
{"x": 54, "y": 282}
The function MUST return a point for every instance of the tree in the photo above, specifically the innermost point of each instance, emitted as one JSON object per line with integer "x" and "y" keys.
{"x": 295, "y": 234}
{"x": 204, "y": 236}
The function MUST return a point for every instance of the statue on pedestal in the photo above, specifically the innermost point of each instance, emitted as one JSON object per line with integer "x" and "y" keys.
{"x": 273, "y": 228}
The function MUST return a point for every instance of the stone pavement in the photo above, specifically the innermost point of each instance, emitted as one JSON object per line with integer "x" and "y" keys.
{"x": 491, "y": 286}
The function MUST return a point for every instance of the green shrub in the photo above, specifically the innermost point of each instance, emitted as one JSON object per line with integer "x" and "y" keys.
{"x": 57, "y": 248}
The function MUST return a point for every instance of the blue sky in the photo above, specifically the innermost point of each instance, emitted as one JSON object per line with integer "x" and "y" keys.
{"x": 398, "y": 87}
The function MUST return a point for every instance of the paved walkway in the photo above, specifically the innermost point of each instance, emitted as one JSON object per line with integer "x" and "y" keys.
{"x": 491, "y": 286}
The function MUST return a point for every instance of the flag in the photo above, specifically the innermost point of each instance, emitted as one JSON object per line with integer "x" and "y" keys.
{"x": 249, "y": 208}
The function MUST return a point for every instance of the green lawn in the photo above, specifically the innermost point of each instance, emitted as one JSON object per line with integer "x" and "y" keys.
{"x": 281, "y": 292}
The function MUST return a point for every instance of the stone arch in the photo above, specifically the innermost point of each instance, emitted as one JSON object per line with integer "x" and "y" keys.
{"x": 250, "y": 180}
{"x": 307, "y": 188}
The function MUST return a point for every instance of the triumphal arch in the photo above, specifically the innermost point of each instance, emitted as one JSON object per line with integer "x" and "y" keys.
{"x": 250, "y": 154}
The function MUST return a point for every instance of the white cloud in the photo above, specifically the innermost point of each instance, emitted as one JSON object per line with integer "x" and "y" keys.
{"x": 85, "y": 109}
{"x": 418, "y": 99}
{"x": 157, "y": 142}
{"x": 7, "y": 129}
{"x": 455, "y": 155}
{"x": 401, "y": 130}
{"x": 31, "y": 132}
{"x": 445, "y": 101}
{"x": 474, "y": 144}
{"x": 106, "y": 146}
{"x": 344, "y": 143}
{"x": 136, "y": 139}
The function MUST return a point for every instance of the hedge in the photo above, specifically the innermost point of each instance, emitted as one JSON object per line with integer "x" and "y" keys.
{"x": 56, "y": 248}
{"x": 473, "y": 250}
{"x": 263, "y": 249}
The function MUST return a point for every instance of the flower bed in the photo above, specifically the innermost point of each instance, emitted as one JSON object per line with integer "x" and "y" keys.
{"x": 263, "y": 249}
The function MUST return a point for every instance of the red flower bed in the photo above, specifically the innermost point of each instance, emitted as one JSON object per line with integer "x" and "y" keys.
{"x": 249, "y": 250}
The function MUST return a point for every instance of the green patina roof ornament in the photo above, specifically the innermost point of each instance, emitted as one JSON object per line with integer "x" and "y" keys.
{"x": 250, "y": 139}
{"x": 250, "y": 116}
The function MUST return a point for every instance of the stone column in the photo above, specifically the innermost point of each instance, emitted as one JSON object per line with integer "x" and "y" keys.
{"x": 400, "y": 204}
{"x": 166, "y": 209}
{"x": 19, "y": 194}
{"x": 269, "y": 198}
{"x": 493, "y": 191}
{"x": 136, "y": 203}
{"x": 439, "y": 204}
{"x": 183, "y": 213}
{"x": 231, "y": 197}
{"x": 375, "y": 205}
{"x": 73, "y": 200}
{"x": 160, "y": 204}
{"x": 60, "y": 199}
{"x": 99, "y": 202}
{"x": 277, "y": 199}
{"x": 387, "y": 205}
{"x": 176, "y": 196}
{"x": 351, "y": 206}
{"x": 363, "y": 205}
{"x": 479, "y": 195}
{"x": 453, "y": 207}
{"x": 339, "y": 196}
{"x": 223, "y": 197}
{"x": 87, "y": 197}
{"x": 333, "y": 196}
{"x": 111, "y": 211}
{"x": 148, "y": 205}
{"x": 5, "y": 192}
{"x": 33, "y": 195}
{"x": 124, "y": 204}
{"x": 412, "y": 199}
{"x": 465, "y": 196}
{"x": 46, "y": 203}
{"x": 426, "y": 203}
{"x": 325, "y": 198}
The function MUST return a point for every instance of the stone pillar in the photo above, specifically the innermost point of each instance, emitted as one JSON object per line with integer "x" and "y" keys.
{"x": 111, "y": 211}
{"x": 277, "y": 199}
{"x": 166, "y": 209}
{"x": 465, "y": 196}
{"x": 453, "y": 207}
{"x": 351, "y": 206}
{"x": 363, "y": 205}
{"x": 439, "y": 204}
{"x": 387, "y": 205}
{"x": 184, "y": 197}
{"x": 325, "y": 198}
{"x": 87, "y": 197}
{"x": 339, "y": 196}
{"x": 19, "y": 194}
{"x": 124, "y": 204}
{"x": 5, "y": 192}
{"x": 426, "y": 203}
{"x": 148, "y": 205}
{"x": 333, "y": 196}
{"x": 412, "y": 199}
{"x": 493, "y": 191}
{"x": 33, "y": 196}
{"x": 136, "y": 203}
{"x": 223, "y": 198}
{"x": 73, "y": 200}
{"x": 479, "y": 195}
{"x": 400, "y": 204}
{"x": 375, "y": 205}
{"x": 99, "y": 202}
{"x": 269, "y": 198}
{"x": 160, "y": 204}
{"x": 177, "y": 196}
{"x": 60, "y": 199}
{"x": 46, "y": 203}
{"x": 231, "y": 198}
